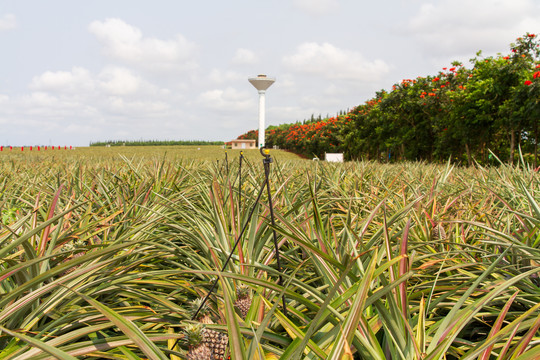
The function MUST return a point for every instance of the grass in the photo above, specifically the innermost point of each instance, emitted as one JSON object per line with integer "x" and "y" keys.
{"x": 103, "y": 251}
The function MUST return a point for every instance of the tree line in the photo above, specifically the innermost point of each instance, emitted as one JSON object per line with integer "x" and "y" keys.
{"x": 461, "y": 113}
{"x": 154, "y": 142}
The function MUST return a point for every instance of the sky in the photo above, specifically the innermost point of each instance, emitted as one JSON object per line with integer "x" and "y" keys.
{"x": 74, "y": 72}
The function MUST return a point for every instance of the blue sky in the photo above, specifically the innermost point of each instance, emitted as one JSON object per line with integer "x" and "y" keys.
{"x": 73, "y": 71}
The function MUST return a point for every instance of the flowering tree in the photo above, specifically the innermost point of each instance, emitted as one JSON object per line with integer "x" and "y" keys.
{"x": 521, "y": 108}
{"x": 458, "y": 113}
{"x": 251, "y": 135}
{"x": 312, "y": 138}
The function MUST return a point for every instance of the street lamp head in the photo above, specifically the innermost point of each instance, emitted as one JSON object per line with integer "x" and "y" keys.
{"x": 261, "y": 82}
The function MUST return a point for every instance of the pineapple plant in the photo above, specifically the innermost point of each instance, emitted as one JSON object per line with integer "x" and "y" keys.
{"x": 204, "y": 314}
{"x": 216, "y": 341}
{"x": 243, "y": 300}
{"x": 197, "y": 349}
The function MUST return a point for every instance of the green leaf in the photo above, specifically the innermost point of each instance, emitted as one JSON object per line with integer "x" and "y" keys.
{"x": 58, "y": 354}
{"x": 128, "y": 328}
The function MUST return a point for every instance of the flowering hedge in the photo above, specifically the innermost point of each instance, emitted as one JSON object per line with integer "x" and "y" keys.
{"x": 311, "y": 138}
{"x": 459, "y": 113}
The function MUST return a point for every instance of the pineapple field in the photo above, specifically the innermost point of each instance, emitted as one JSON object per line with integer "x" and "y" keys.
{"x": 170, "y": 253}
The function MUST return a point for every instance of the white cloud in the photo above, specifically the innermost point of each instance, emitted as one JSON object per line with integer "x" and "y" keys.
{"x": 462, "y": 27}
{"x": 287, "y": 84}
{"x": 229, "y": 99}
{"x": 244, "y": 57}
{"x": 217, "y": 76}
{"x": 81, "y": 101}
{"x": 127, "y": 44}
{"x": 81, "y": 129}
{"x": 8, "y": 22}
{"x": 333, "y": 90}
{"x": 317, "y": 7}
{"x": 119, "y": 81}
{"x": 114, "y": 89}
{"x": 76, "y": 80}
{"x": 137, "y": 108}
{"x": 49, "y": 109}
{"x": 39, "y": 99}
{"x": 330, "y": 62}
{"x": 286, "y": 81}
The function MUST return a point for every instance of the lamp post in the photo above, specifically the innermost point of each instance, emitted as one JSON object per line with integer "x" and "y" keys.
{"x": 261, "y": 83}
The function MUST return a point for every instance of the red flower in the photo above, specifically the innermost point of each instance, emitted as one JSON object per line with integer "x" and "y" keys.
{"x": 436, "y": 79}
{"x": 528, "y": 82}
{"x": 536, "y": 75}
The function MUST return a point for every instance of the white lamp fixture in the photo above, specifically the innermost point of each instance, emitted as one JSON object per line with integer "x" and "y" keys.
{"x": 261, "y": 83}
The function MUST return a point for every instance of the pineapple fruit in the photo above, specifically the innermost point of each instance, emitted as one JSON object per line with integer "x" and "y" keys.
{"x": 214, "y": 340}
{"x": 437, "y": 232}
{"x": 217, "y": 342}
{"x": 243, "y": 300}
{"x": 197, "y": 349}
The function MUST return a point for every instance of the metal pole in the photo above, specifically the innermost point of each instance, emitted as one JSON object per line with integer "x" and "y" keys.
{"x": 226, "y": 163}
{"x": 266, "y": 161}
{"x": 262, "y": 103}
{"x": 261, "y": 83}
{"x": 240, "y": 182}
